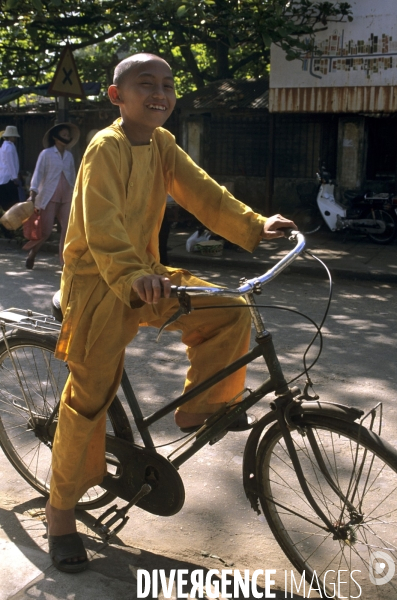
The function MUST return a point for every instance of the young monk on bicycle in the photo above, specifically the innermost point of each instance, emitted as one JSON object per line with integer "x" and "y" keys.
{"x": 113, "y": 282}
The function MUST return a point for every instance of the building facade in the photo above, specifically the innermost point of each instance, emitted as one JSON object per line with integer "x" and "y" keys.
{"x": 351, "y": 76}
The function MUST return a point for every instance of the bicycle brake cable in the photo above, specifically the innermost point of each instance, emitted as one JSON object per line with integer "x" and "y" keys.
{"x": 318, "y": 332}
{"x": 318, "y": 328}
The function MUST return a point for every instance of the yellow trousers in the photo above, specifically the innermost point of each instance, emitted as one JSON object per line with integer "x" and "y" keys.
{"x": 214, "y": 338}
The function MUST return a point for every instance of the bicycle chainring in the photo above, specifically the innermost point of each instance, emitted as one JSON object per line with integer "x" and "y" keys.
{"x": 141, "y": 465}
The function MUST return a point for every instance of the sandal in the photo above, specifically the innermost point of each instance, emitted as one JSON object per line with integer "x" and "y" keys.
{"x": 30, "y": 261}
{"x": 64, "y": 548}
{"x": 242, "y": 423}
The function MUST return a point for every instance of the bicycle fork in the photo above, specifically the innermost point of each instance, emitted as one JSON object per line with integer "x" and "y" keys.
{"x": 278, "y": 405}
{"x": 284, "y": 398}
{"x": 339, "y": 528}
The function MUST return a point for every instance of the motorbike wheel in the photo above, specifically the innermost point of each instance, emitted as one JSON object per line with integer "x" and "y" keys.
{"x": 308, "y": 220}
{"x": 388, "y": 235}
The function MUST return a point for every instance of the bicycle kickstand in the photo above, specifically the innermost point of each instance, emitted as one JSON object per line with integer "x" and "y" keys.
{"x": 120, "y": 514}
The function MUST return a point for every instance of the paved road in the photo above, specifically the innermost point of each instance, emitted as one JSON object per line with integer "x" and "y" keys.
{"x": 357, "y": 367}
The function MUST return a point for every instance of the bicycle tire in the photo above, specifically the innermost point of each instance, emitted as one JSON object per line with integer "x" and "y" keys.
{"x": 297, "y": 527}
{"x": 42, "y": 377}
{"x": 390, "y": 226}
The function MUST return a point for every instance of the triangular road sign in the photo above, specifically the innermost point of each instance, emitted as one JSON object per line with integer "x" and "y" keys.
{"x": 66, "y": 80}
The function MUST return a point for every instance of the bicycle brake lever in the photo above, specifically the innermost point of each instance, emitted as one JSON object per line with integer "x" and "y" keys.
{"x": 185, "y": 308}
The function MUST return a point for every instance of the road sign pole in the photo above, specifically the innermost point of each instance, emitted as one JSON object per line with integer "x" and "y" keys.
{"x": 63, "y": 107}
{"x": 65, "y": 83}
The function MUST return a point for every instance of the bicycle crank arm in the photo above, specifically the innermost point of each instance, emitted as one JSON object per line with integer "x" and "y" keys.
{"x": 119, "y": 514}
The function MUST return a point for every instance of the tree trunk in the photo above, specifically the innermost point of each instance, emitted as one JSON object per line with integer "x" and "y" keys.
{"x": 187, "y": 54}
{"x": 222, "y": 60}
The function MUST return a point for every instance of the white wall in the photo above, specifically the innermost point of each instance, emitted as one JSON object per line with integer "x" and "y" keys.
{"x": 349, "y": 57}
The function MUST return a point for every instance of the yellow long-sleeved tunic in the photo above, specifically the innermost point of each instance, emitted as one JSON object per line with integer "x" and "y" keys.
{"x": 112, "y": 238}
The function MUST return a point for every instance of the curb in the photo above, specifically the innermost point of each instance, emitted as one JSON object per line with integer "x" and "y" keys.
{"x": 254, "y": 266}
{"x": 297, "y": 268}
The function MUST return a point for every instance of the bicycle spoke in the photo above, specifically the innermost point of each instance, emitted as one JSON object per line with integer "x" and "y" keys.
{"x": 353, "y": 486}
{"x": 32, "y": 381}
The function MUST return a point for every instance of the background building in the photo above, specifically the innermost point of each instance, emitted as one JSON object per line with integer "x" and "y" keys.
{"x": 351, "y": 80}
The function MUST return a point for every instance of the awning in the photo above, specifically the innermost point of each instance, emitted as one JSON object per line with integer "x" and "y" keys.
{"x": 368, "y": 99}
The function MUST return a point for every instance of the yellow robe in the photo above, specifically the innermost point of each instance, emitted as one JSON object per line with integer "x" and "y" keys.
{"x": 112, "y": 238}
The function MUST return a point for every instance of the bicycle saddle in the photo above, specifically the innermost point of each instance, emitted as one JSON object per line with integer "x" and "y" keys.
{"x": 56, "y": 306}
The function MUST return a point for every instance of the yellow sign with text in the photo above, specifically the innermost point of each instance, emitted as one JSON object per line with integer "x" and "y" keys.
{"x": 66, "y": 80}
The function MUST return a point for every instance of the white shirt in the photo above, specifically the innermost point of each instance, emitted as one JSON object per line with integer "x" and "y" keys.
{"x": 9, "y": 162}
{"x": 49, "y": 167}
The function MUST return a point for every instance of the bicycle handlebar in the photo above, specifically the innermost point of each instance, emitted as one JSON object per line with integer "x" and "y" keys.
{"x": 250, "y": 284}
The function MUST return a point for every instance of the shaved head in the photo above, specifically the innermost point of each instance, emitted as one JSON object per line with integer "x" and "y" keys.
{"x": 126, "y": 65}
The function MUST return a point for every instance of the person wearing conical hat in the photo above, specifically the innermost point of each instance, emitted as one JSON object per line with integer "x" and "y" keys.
{"x": 9, "y": 168}
{"x": 52, "y": 184}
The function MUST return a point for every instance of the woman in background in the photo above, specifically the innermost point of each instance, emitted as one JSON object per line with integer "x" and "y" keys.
{"x": 52, "y": 185}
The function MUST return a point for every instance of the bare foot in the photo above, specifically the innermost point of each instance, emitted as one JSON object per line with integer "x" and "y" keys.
{"x": 60, "y": 522}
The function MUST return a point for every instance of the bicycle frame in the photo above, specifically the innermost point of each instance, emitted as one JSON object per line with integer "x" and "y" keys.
{"x": 215, "y": 427}
{"x": 221, "y": 419}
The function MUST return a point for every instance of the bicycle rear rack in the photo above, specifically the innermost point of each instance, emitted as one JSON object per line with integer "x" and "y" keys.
{"x": 28, "y": 320}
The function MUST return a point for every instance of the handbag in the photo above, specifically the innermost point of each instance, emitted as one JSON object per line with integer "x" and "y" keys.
{"x": 17, "y": 215}
{"x": 32, "y": 228}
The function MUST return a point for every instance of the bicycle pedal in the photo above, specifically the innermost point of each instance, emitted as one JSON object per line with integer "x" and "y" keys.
{"x": 104, "y": 528}
{"x": 120, "y": 514}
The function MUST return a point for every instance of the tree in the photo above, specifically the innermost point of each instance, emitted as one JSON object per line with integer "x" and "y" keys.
{"x": 204, "y": 40}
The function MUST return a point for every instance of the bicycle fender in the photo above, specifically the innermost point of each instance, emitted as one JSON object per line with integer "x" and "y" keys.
{"x": 326, "y": 409}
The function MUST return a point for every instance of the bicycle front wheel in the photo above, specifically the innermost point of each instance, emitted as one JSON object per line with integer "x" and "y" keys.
{"x": 352, "y": 476}
{"x": 31, "y": 384}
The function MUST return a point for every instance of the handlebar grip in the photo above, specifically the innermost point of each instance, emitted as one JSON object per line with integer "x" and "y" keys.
{"x": 287, "y": 231}
{"x": 174, "y": 291}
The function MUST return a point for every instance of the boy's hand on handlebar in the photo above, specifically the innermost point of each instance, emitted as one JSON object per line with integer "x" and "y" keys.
{"x": 273, "y": 228}
{"x": 150, "y": 288}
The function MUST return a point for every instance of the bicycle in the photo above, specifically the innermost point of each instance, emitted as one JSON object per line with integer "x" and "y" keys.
{"x": 325, "y": 481}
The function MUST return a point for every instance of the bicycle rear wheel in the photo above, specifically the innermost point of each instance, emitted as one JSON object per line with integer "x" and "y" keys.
{"x": 308, "y": 220}
{"x": 31, "y": 384}
{"x": 390, "y": 227}
{"x": 360, "y": 501}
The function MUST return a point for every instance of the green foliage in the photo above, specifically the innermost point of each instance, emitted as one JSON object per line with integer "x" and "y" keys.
{"x": 203, "y": 40}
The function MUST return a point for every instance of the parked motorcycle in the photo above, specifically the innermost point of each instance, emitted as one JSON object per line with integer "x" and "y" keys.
{"x": 370, "y": 214}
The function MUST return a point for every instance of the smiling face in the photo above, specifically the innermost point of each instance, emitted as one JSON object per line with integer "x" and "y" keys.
{"x": 145, "y": 95}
